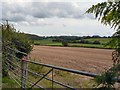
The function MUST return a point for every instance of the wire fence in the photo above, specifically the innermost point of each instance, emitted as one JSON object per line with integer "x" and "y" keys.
{"x": 30, "y": 74}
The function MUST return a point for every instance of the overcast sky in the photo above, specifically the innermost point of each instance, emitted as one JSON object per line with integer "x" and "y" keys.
{"x": 53, "y": 17}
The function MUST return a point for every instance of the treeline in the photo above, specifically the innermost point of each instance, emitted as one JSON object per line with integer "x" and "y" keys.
{"x": 83, "y": 41}
{"x": 60, "y": 38}
{"x": 69, "y": 39}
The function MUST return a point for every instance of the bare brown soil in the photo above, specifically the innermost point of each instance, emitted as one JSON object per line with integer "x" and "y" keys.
{"x": 85, "y": 59}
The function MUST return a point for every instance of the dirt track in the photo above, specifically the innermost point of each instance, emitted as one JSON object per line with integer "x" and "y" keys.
{"x": 85, "y": 59}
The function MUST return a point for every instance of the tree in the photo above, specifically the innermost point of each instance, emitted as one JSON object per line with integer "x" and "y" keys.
{"x": 109, "y": 14}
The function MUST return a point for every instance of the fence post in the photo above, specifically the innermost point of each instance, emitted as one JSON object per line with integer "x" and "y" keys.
{"x": 52, "y": 79}
{"x": 23, "y": 72}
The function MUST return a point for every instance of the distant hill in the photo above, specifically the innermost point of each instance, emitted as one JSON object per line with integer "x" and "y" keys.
{"x": 66, "y": 38}
{"x": 35, "y": 37}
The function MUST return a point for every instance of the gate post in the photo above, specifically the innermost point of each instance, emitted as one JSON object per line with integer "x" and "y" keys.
{"x": 23, "y": 72}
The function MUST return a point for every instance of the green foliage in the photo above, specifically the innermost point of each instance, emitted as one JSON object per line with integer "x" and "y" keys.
{"x": 100, "y": 46}
{"x": 96, "y": 42}
{"x": 103, "y": 41}
{"x": 109, "y": 14}
{"x": 15, "y": 40}
{"x": 9, "y": 83}
{"x": 116, "y": 39}
{"x": 65, "y": 43}
{"x": 107, "y": 79}
{"x": 22, "y": 43}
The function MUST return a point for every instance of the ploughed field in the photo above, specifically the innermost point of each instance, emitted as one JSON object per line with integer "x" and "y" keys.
{"x": 85, "y": 59}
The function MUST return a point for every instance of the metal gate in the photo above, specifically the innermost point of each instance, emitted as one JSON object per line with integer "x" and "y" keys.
{"x": 24, "y": 70}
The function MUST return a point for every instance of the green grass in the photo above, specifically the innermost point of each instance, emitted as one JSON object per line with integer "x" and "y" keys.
{"x": 102, "y": 40}
{"x": 64, "y": 77}
{"x": 47, "y": 42}
{"x": 9, "y": 83}
{"x": 43, "y": 42}
{"x": 89, "y": 45}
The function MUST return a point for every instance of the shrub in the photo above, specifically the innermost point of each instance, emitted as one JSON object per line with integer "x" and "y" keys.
{"x": 96, "y": 42}
{"x": 65, "y": 43}
{"x": 85, "y": 41}
{"x": 15, "y": 40}
{"x": 107, "y": 80}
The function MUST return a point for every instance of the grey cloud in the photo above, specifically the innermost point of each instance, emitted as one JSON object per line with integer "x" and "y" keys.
{"x": 14, "y": 18}
{"x": 12, "y": 12}
{"x": 58, "y": 9}
{"x": 52, "y": 9}
{"x": 89, "y": 16}
{"x": 17, "y": 12}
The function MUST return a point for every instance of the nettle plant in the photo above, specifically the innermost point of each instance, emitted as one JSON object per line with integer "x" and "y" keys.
{"x": 109, "y": 14}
